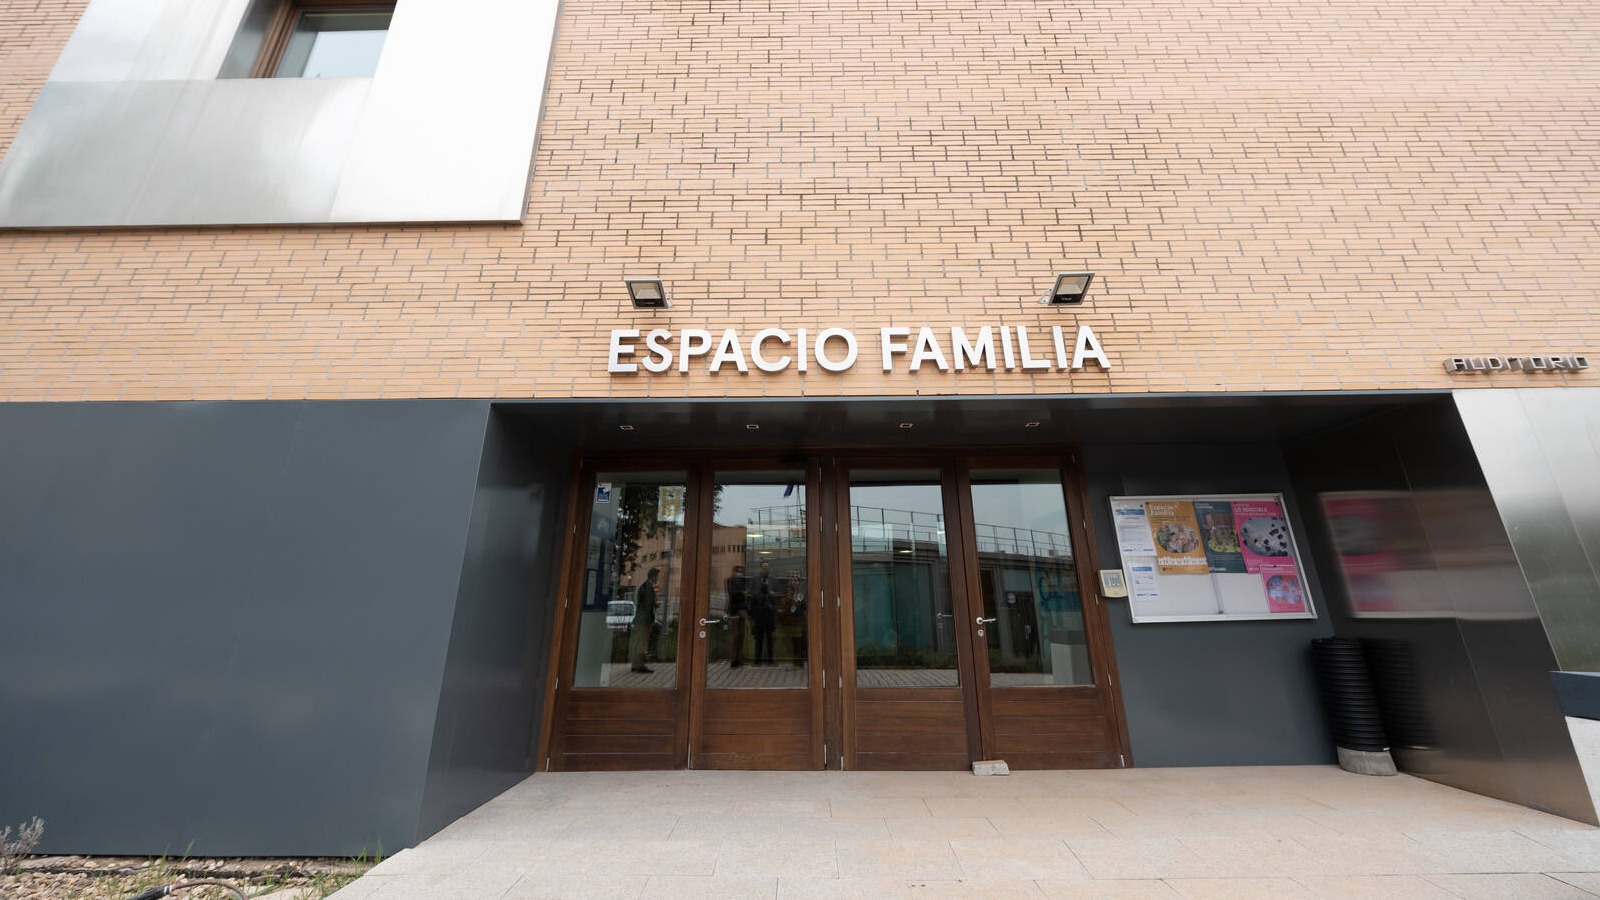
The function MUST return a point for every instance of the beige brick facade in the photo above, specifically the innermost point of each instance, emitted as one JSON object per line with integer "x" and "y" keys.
{"x": 1276, "y": 196}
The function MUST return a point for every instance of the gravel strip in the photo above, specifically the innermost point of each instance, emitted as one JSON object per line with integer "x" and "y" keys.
{"x": 118, "y": 878}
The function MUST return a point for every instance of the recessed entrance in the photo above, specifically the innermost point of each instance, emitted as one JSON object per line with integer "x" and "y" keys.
{"x": 858, "y": 612}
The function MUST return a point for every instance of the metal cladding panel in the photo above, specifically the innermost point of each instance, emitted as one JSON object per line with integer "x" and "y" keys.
{"x": 149, "y": 40}
{"x": 1421, "y": 570}
{"x": 449, "y": 130}
{"x": 181, "y": 152}
{"x": 226, "y": 623}
{"x": 1540, "y": 452}
{"x": 490, "y": 704}
{"x": 144, "y": 122}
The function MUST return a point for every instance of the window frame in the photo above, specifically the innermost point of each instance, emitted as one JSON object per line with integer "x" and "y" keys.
{"x": 284, "y": 19}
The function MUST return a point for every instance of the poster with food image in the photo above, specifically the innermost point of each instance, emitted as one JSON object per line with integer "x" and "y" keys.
{"x": 1179, "y": 548}
{"x": 1219, "y": 536}
{"x": 1210, "y": 558}
{"x": 1285, "y": 594}
{"x": 1263, "y": 533}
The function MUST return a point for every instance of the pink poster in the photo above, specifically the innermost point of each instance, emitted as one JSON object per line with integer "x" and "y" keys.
{"x": 1285, "y": 594}
{"x": 1363, "y": 527}
{"x": 1263, "y": 535}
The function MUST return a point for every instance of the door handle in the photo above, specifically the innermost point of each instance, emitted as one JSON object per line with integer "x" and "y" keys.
{"x": 705, "y": 622}
{"x": 983, "y": 621}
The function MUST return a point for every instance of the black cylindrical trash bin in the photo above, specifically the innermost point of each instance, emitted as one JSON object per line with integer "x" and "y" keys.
{"x": 1350, "y": 704}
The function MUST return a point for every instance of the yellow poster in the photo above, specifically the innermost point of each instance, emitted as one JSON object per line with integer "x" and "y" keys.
{"x": 1179, "y": 548}
{"x": 669, "y": 503}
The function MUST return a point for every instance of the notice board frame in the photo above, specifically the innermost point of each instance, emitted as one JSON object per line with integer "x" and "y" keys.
{"x": 1138, "y": 576}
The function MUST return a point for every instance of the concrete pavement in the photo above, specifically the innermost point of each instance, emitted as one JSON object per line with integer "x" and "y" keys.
{"x": 1305, "y": 831}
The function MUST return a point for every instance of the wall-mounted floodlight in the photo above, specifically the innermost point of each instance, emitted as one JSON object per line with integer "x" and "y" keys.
{"x": 648, "y": 293}
{"x": 1069, "y": 288}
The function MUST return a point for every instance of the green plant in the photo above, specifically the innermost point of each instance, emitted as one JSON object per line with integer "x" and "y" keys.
{"x": 326, "y": 884}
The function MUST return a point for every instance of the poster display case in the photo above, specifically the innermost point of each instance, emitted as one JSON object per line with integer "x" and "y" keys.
{"x": 1210, "y": 558}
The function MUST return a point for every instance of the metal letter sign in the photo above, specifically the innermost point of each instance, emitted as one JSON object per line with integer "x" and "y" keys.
{"x": 1488, "y": 365}
{"x": 990, "y": 348}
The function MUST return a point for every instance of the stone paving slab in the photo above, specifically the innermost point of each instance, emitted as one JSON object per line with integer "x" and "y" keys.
{"x": 1236, "y": 833}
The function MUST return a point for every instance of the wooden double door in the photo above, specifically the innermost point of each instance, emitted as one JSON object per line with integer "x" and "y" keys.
{"x": 836, "y": 611}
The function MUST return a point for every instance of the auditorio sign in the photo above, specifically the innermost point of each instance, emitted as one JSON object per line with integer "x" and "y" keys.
{"x": 989, "y": 348}
{"x": 1474, "y": 365}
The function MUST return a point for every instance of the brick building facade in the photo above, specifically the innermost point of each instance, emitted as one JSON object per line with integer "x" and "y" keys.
{"x": 1297, "y": 216}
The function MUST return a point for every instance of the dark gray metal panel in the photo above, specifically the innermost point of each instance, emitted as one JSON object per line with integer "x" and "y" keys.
{"x": 489, "y": 709}
{"x": 1462, "y": 655}
{"x": 1210, "y": 694}
{"x": 226, "y": 623}
{"x": 1578, "y": 693}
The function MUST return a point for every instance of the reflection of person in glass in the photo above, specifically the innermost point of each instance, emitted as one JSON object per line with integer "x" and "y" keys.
{"x": 644, "y": 621}
{"x": 738, "y": 616}
{"x": 795, "y": 603}
{"x": 763, "y": 614}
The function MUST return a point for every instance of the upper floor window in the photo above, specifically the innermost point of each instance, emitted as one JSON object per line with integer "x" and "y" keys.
{"x": 316, "y": 39}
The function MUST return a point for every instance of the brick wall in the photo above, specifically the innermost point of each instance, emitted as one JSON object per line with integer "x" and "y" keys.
{"x": 1277, "y": 196}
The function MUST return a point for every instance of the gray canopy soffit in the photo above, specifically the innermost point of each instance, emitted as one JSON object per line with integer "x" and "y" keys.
{"x": 912, "y": 422}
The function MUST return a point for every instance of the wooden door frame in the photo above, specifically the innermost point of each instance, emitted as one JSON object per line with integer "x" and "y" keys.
{"x": 563, "y": 658}
{"x": 841, "y": 628}
{"x": 827, "y": 469}
{"x": 966, "y": 524}
{"x": 1097, "y": 625}
{"x": 815, "y": 581}
{"x": 1102, "y": 652}
{"x": 832, "y": 624}
{"x": 944, "y": 464}
{"x": 558, "y": 615}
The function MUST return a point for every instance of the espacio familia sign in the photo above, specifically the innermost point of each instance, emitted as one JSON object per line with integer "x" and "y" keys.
{"x": 990, "y": 348}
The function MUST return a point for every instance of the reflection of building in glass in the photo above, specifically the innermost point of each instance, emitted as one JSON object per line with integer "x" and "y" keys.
{"x": 777, "y": 531}
{"x": 774, "y": 628}
{"x": 731, "y": 545}
{"x": 628, "y": 537}
{"x": 903, "y": 610}
{"x": 901, "y": 586}
{"x": 775, "y": 535}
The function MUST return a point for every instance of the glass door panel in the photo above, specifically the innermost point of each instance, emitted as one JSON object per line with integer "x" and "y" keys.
{"x": 959, "y": 629}
{"x": 1028, "y": 579}
{"x": 757, "y": 627}
{"x": 905, "y": 626}
{"x": 632, "y": 582}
